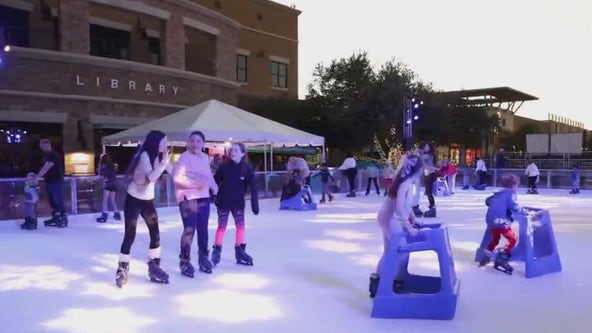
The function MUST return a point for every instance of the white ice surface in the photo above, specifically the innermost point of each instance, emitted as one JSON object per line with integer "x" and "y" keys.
{"x": 310, "y": 275}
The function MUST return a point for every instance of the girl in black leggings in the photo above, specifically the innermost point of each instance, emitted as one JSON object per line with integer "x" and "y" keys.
{"x": 152, "y": 159}
{"x": 427, "y": 154}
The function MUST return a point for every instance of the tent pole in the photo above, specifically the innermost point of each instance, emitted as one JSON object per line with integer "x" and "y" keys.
{"x": 271, "y": 157}
{"x": 324, "y": 157}
{"x": 265, "y": 174}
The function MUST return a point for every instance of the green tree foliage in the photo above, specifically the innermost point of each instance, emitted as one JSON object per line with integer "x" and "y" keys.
{"x": 341, "y": 93}
{"x": 355, "y": 106}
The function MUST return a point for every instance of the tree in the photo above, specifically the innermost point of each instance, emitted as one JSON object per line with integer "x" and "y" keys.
{"x": 341, "y": 93}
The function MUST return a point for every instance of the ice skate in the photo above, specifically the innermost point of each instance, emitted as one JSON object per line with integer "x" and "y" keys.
{"x": 501, "y": 263}
{"x": 186, "y": 267}
{"x": 117, "y": 216}
{"x": 52, "y": 222}
{"x": 242, "y": 258}
{"x": 121, "y": 274}
{"x": 430, "y": 213}
{"x": 205, "y": 265}
{"x": 417, "y": 212}
{"x": 102, "y": 218}
{"x": 156, "y": 273}
{"x": 485, "y": 258}
{"x": 62, "y": 221}
{"x": 29, "y": 224}
{"x": 373, "y": 287}
{"x": 216, "y": 253}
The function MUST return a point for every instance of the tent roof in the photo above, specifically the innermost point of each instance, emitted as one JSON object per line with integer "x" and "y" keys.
{"x": 220, "y": 122}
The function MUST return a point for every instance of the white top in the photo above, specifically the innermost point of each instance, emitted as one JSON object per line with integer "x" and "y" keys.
{"x": 348, "y": 163}
{"x": 193, "y": 177}
{"x": 481, "y": 166}
{"x": 144, "y": 177}
{"x": 532, "y": 170}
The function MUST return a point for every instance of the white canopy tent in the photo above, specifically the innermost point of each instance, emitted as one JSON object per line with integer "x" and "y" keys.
{"x": 220, "y": 122}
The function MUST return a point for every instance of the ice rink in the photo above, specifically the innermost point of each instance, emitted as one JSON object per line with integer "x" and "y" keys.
{"x": 310, "y": 275}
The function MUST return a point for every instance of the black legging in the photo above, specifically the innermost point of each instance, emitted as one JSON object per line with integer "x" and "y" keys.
{"x": 429, "y": 188}
{"x": 351, "y": 178}
{"x": 195, "y": 214}
{"x": 132, "y": 209}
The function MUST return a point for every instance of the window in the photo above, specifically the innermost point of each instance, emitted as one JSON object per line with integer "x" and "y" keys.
{"x": 154, "y": 48}
{"x": 109, "y": 42}
{"x": 241, "y": 68}
{"x": 503, "y": 123}
{"x": 279, "y": 74}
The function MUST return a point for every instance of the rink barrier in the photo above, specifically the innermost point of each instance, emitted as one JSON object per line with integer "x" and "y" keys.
{"x": 84, "y": 194}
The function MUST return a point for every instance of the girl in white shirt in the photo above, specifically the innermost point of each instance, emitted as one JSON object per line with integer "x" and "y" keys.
{"x": 396, "y": 216}
{"x": 151, "y": 160}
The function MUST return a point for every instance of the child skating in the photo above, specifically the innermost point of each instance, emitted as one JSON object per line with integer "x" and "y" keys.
{"x": 498, "y": 218}
{"x": 234, "y": 178}
{"x": 326, "y": 181}
{"x": 31, "y": 199}
{"x": 395, "y": 216}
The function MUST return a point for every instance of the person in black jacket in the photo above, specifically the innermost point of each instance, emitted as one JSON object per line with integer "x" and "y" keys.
{"x": 53, "y": 173}
{"x": 234, "y": 177}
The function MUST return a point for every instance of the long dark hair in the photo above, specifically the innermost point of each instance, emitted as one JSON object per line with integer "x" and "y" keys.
{"x": 106, "y": 160}
{"x": 203, "y": 138}
{"x": 245, "y": 159}
{"x": 432, "y": 152}
{"x": 410, "y": 166}
{"x": 150, "y": 146}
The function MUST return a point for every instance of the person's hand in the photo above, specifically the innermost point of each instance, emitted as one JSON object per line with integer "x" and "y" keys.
{"x": 166, "y": 157}
{"x": 411, "y": 230}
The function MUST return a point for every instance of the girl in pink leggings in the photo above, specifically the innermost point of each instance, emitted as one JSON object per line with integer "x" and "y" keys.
{"x": 234, "y": 177}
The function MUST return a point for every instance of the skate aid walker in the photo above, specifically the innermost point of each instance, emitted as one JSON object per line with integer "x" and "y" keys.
{"x": 536, "y": 246}
{"x": 417, "y": 296}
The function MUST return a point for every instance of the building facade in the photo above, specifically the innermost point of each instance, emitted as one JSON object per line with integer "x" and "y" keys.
{"x": 95, "y": 67}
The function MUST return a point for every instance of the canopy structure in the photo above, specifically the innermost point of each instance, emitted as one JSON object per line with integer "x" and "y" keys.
{"x": 220, "y": 122}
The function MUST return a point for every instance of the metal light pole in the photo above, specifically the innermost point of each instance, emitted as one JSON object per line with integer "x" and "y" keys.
{"x": 411, "y": 106}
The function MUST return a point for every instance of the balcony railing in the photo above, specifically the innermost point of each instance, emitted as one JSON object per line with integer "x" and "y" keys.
{"x": 84, "y": 194}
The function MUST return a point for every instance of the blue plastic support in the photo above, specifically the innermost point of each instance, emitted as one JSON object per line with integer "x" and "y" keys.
{"x": 441, "y": 182}
{"x": 417, "y": 296}
{"x": 536, "y": 246}
{"x": 297, "y": 203}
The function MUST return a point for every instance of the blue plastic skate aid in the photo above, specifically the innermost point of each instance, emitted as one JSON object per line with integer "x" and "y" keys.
{"x": 297, "y": 203}
{"x": 536, "y": 246}
{"x": 440, "y": 187}
{"x": 417, "y": 297}
{"x": 542, "y": 256}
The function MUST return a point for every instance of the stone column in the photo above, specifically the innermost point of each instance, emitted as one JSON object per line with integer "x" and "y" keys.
{"x": 172, "y": 42}
{"x": 73, "y": 25}
{"x": 226, "y": 56}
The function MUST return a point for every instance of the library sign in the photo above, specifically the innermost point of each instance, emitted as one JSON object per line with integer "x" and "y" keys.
{"x": 111, "y": 83}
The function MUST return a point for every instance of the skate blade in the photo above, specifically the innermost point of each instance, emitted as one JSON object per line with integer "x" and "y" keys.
{"x": 509, "y": 272}
{"x": 245, "y": 263}
{"x": 205, "y": 270}
{"x": 159, "y": 281}
{"x": 190, "y": 275}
